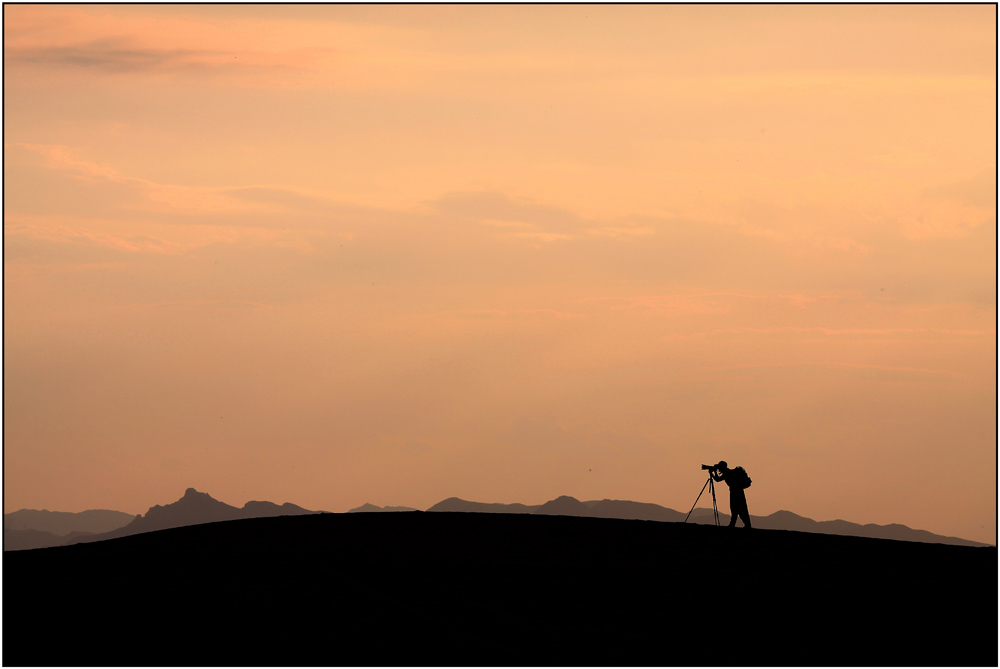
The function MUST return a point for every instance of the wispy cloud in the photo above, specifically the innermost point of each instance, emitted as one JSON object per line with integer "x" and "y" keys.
{"x": 142, "y": 194}
{"x": 21, "y": 229}
{"x": 122, "y": 56}
{"x": 61, "y": 157}
{"x": 114, "y": 55}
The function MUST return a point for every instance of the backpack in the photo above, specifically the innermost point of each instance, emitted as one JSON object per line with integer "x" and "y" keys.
{"x": 739, "y": 478}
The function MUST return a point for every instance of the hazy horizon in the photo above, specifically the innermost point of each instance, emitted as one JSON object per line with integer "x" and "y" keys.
{"x": 345, "y": 254}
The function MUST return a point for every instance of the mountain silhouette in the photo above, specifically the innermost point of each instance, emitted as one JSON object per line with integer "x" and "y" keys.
{"x": 33, "y": 528}
{"x": 786, "y": 520}
{"x": 564, "y": 506}
{"x": 20, "y": 540}
{"x": 626, "y": 510}
{"x": 195, "y": 508}
{"x": 191, "y": 509}
{"x": 268, "y": 509}
{"x": 371, "y": 508}
{"x": 461, "y": 505}
{"x": 61, "y": 523}
{"x": 614, "y": 508}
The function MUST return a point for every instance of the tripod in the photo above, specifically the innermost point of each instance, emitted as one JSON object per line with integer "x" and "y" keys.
{"x": 710, "y": 483}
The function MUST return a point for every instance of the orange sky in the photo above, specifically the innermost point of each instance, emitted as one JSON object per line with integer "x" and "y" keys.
{"x": 391, "y": 254}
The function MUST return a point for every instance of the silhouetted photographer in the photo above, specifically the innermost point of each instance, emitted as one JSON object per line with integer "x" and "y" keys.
{"x": 738, "y": 481}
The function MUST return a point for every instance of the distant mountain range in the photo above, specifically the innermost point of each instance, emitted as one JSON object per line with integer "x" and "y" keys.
{"x": 779, "y": 520}
{"x": 62, "y": 522}
{"x": 194, "y": 508}
{"x": 33, "y": 528}
{"x": 371, "y": 508}
{"x": 27, "y": 528}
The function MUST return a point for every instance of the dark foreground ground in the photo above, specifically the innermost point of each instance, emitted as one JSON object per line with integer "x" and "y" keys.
{"x": 405, "y": 589}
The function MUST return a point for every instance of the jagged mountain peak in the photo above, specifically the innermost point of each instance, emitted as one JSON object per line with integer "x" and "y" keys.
{"x": 193, "y": 498}
{"x": 192, "y": 508}
{"x": 195, "y": 508}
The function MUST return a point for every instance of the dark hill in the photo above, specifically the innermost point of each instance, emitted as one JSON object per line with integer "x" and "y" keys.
{"x": 474, "y": 589}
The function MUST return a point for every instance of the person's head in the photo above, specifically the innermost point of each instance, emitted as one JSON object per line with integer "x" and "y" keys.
{"x": 722, "y": 465}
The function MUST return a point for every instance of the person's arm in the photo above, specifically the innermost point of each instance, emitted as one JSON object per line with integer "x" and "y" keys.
{"x": 721, "y": 477}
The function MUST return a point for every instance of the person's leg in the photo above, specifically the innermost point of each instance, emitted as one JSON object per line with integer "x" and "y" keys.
{"x": 738, "y": 507}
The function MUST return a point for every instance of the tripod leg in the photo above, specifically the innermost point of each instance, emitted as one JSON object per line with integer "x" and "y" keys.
{"x": 715, "y": 506}
{"x": 699, "y": 497}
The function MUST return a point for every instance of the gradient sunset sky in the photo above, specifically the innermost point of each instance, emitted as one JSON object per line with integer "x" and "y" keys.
{"x": 332, "y": 255}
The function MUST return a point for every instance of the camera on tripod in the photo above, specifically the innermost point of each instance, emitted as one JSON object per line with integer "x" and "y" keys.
{"x": 710, "y": 484}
